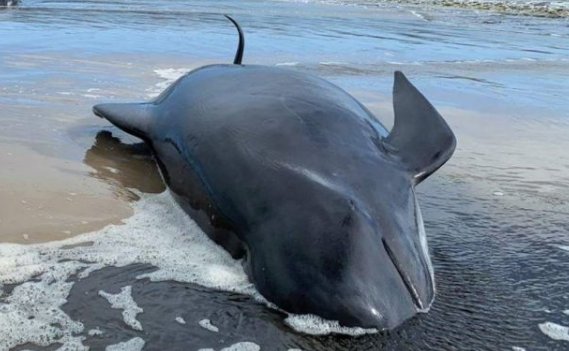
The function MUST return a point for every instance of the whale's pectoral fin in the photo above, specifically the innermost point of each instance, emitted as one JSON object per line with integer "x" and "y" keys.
{"x": 133, "y": 118}
{"x": 420, "y": 137}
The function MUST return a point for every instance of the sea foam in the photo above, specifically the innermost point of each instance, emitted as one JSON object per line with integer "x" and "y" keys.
{"x": 159, "y": 234}
{"x": 555, "y": 331}
{"x": 206, "y": 324}
{"x": 168, "y": 76}
{"x": 134, "y": 344}
{"x": 125, "y": 302}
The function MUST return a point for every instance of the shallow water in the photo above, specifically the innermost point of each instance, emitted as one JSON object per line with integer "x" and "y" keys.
{"x": 496, "y": 214}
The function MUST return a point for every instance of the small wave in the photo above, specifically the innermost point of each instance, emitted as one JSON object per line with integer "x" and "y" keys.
{"x": 169, "y": 76}
{"x": 287, "y": 64}
{"x": 331, "y": 63}
{"x": 421, "y": 16}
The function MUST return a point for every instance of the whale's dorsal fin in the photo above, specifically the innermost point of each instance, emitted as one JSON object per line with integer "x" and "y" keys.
{"x": 420, "y": 137}
{"x": 133, "y": 118}
{"x": 241, "y": 47}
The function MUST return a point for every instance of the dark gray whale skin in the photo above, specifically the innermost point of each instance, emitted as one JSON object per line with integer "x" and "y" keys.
{"x": 295, "y": 175}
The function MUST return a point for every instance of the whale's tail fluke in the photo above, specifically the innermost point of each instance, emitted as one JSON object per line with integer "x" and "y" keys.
{"x": 420, "y": 137}
{"x": 241, "y": 47}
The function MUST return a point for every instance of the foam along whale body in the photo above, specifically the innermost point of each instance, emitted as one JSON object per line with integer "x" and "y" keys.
{"x": 295, "y": 175}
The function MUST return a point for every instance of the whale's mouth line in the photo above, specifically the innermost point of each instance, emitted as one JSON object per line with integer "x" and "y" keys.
{"x": 408, "y": 284}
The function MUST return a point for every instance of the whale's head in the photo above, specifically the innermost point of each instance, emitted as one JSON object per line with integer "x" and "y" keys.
{"x": 357, "y": 253}
{"x": 360, "y": 259}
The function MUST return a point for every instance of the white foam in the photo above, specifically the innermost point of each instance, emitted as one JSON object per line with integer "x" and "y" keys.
{"x": 125, "y": 302}
{"x": 180, "y": 320}
{"x": 159, "y": 234}
{"x": 555, "y": 331}
{"x": 240, "y": 346}
{"x": 287, "y": 64}
{"x": 169, "y": 76}
{"x": 566, "y": 312}
{"x": 314, "y": 325}
{"x": 32, "y": 312}
{"x": 418, "y": 15}
{"x": 243, "y": 346}
{"x": 517, "y": 348}
{"x": 134, "y": 344}
{"x": 206, "y": 324}
{"x": 563, "y": 247}
{"x": 92, "y": 96}
{"x": 95, "y": 332}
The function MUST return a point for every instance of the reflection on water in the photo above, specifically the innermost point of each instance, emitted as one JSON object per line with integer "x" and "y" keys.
{"x": 126, "y": 166}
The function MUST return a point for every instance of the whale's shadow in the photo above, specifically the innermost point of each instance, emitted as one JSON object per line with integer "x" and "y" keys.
{"x": 129, "y": 168}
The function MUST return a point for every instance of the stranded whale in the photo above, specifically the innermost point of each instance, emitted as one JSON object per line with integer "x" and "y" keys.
{"x": 291, "y": 173}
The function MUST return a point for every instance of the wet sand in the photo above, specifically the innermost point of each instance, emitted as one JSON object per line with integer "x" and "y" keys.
{"x": 44, "y": 199}
{"x": 62, "y": 174}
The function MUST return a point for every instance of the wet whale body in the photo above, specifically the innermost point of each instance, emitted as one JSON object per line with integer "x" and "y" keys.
{"x": 295, "y": 176}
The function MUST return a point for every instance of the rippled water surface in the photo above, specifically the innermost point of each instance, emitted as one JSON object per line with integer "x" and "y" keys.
{"x": 497, "y": 215}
